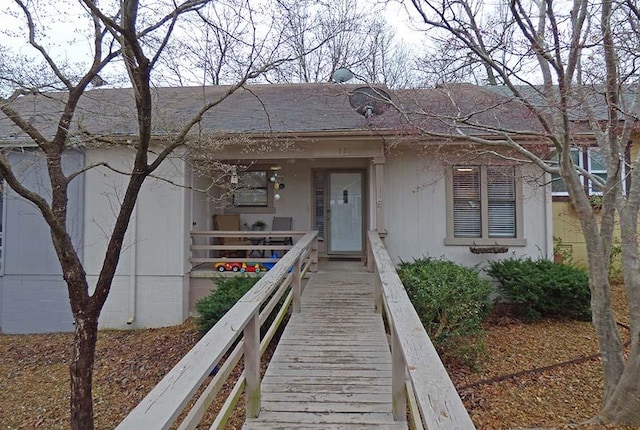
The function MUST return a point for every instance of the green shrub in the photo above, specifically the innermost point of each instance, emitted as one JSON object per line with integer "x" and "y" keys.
{"x": 452, "y": 301}
{"x": 542, "y": 288}
{"x": 213, "y": 306}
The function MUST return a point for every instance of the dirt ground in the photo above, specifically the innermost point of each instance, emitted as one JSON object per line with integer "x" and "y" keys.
{"x": 544, "y": 393}
{"x": 558, "y": 377}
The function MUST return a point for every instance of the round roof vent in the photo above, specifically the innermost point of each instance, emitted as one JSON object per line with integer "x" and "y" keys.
{"x": 341, "y": 75}
{"x": 369, "y": 101}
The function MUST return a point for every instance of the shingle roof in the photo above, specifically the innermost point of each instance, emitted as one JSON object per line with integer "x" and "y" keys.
{"x": 291, "y": 108}
{"x": 471, "y": 109}
{"x": 584, "y": 103}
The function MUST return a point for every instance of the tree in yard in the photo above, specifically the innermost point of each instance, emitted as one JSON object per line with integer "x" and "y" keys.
{"x": 356, "y": 38}
{"x": 564, "y": 60}
{"x": 128, "y": 43}
{"x": 223, "y": 39}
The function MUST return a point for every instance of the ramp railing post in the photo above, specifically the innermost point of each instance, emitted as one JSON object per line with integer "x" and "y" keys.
{"x": 314, "y": 255}
{"x": 398, "y": 379}
{"x": 252, "y": 365}
{"x": 297, "y": 285}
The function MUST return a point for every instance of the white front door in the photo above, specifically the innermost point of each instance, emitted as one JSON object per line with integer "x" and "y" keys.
{"x": 345, "y": 212}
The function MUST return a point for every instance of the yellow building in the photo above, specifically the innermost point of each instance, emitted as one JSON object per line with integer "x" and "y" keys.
{"x": 567, "y": 233}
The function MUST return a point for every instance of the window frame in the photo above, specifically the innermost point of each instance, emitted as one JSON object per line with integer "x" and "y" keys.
{"x": 556, "y": 177}
{"x": 593, "y": 190}
{"x": 585, "y": 162}
{"x": 270, "y": 206}
{"x": 484, "y": 239}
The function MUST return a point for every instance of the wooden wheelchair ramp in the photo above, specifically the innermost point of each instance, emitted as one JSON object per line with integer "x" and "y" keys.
{"x": 332, "y": 366}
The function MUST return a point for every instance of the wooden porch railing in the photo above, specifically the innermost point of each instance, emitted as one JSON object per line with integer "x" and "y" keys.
{"x": 166, "y": 401}
{"x": 418, "y": 375}
{"x": 203, "y": 251}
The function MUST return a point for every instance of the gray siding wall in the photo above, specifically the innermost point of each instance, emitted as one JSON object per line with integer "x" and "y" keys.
{"x": 34, "y": 295}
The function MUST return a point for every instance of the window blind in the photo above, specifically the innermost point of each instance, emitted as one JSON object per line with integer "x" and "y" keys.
{"x": 501, "y": 201}
{"x": 467, "y": 214}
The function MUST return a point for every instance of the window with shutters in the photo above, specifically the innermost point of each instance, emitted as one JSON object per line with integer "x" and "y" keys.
{"x": 484, "y": 206}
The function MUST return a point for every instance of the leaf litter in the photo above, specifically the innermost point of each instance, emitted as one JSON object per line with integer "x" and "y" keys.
{"x": 34, "y": 376}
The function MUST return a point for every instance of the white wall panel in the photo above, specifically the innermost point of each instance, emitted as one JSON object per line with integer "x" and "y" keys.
{"x": 415, "y": 212}
{"x": 160, "y": 216}
{"x": 158, "y": 234}
{"x": 159, "y": 303}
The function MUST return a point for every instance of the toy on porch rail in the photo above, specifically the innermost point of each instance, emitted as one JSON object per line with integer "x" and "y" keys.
{"x": 236, "y": 266}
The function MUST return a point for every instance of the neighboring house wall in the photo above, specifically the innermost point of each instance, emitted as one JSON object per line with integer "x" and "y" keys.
{"x": 150, "y": 286}
{"x": 416, "y": 212}
{"x": 34, "y": 295}
{"x": 567, "y": 231}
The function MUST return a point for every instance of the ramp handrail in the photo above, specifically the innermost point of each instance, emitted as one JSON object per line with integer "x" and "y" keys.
{"x": 241, "y": 324}
{"x": 416, "y": 366}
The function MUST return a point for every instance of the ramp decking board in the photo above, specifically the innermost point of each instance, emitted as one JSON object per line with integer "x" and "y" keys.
{"x": 326, "y": 397}
{"x": 332, "y": 366}
{"x": 313, "y": 389}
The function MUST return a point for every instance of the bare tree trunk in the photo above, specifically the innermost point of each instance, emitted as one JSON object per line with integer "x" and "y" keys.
{"x": 604, "y": 321}
{"x": 623, "y": 406}
{"x": 602, "y": 316}
{"x": 81, "y": 369}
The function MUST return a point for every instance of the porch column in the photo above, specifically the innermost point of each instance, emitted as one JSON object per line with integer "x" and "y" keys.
{"x": 378, "y": 164}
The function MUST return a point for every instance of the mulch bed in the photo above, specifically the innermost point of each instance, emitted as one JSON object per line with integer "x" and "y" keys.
{"x": 538, "y": 375}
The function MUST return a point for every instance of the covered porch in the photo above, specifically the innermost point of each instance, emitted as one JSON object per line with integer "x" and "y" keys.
{"x": 329, "y": 184}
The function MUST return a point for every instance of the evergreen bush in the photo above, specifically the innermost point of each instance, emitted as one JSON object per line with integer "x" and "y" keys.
{"x": 452, "y": 301}
{"x": 542, "y": 288}
{"x": 227, "y": 292}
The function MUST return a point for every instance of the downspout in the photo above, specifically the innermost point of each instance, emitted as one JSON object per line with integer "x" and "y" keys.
{"x": 548, "y": 208}
{"x": 133, "y": 270}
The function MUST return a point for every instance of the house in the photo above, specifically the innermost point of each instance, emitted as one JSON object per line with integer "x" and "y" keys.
{"x": 344, "y": 161}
